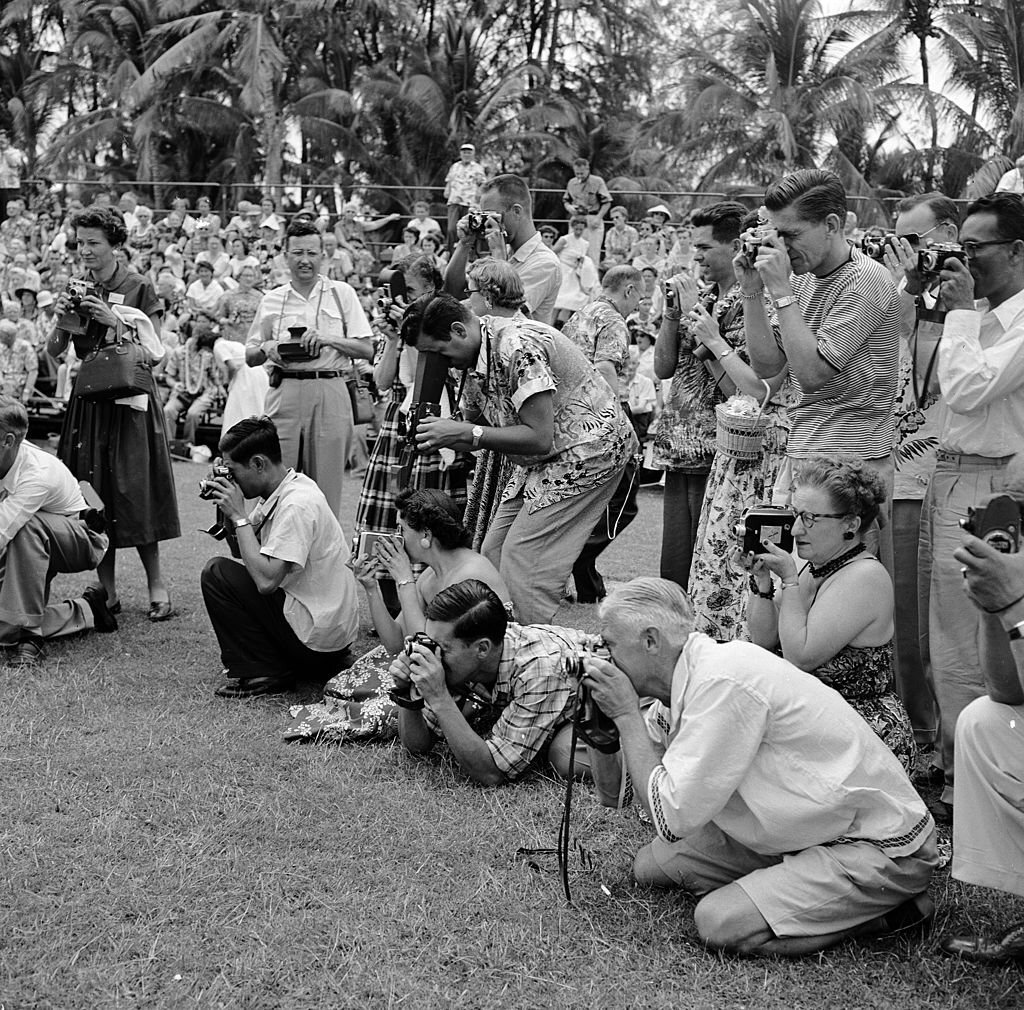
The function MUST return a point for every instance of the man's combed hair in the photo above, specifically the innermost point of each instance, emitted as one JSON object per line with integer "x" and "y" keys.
{"x": 1006, "y": 208}
{"x": 813, "y": 194}
{"x": 434, "y": 512}
{"x": 423, "y": 267}
{"x": 616, "y": 279}
{"x": 650, "y": 602}
{"x": 724, "y": 219}
{"x": 250, "y": 437}
{"x": 301, "y": 227}
{"x": 854, "y": 488}
{"x": 13, "y": 417}
{"x": 472, "y": 608}
{"x": 511, "y": 189}
{"x": 440, "y": 312}
{"x": 109, "y": 220}
{"x": 943, "y": 209}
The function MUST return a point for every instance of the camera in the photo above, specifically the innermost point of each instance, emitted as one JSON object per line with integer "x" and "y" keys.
{"x": 476, "y": 222}
{"x": 873, "y": 246}
{"x": 206, "y": 484}
{"x": 767, "y": 524}
{"x": 73, "y": 321}
{"x": 752, "y": 241}
{"x": 403, "y": 696}
{"x": 997, "y": 523}
{"x": 294, "y": 349}
{"x": 221, "y": 529}
{"x": 365, "y": 544}
{"x": 933, "y": 260}
{"x": 392, "y": 282}
{"x": 594, "y": 728}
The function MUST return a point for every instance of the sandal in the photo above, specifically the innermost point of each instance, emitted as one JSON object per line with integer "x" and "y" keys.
{"x": 252, "y": 687}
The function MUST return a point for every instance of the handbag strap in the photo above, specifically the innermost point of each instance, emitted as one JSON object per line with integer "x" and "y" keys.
{"x": 344, "y": 325}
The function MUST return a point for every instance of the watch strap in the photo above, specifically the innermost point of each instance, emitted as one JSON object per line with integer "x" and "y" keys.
{"x": 785, "y": 301}
{"x": 239, "y": 523}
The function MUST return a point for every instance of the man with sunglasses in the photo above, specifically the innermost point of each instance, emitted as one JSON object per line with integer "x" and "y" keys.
{"x": 981, "y": 428}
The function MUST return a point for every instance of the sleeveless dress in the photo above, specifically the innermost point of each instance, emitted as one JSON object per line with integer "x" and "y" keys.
{"x": 863, "y": 676}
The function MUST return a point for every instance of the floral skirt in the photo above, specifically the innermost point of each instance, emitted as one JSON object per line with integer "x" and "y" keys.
{"x": 355, "y": 708}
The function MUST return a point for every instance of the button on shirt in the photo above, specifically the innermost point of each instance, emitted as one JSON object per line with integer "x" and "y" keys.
{"x": 296, "y": 524}
{"x": 37, "y": 482}
{"x": 774, "y": 758}
{"x": 285, "y": 307}
{"x": 981, "y": 374}
{"x": 541, "y": 274}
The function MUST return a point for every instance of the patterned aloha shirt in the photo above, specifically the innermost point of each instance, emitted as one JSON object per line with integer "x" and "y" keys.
{"x": 685, "y": 440}
{"x": 16, "y": 362}
{"x": 593, "y": 438}
{"x": 600, "y": 332}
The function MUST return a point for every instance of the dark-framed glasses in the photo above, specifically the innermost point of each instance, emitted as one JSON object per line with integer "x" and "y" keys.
{"x": 971, "y": 248}
{"x": 810, "y": 518}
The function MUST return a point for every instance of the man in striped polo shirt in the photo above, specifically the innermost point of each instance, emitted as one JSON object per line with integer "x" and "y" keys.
{"x": 838, "y": 321}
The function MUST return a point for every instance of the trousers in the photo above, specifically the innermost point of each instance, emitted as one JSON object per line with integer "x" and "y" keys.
{"x": 314, "y": 422}
{"x": 45, "y": 546}
{"x": 535, "y": 551}
{"x": 619, "y": 513}
{"x": 255, "y": 638}
{"x": 682, "y": 500}
{"x": 198, "y": 404}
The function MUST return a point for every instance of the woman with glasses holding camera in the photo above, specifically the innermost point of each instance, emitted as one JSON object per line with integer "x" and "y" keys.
{"x": 833, "y": 617}
{"x": 356, "y": 704}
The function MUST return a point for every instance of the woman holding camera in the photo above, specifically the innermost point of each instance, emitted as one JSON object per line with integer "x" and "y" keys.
{"x": 119, "y": 446}
{"x": 356, "y": 704}
{"x": 834, "y": 616}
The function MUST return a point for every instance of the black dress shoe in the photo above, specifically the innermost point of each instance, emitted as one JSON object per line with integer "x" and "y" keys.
{"x": 102, "y": 616}
{"x": 913, "y": 915}
{"x": 27, "y": 653}
{"x": 161, "y": 610}
{"x": 1008, "y": 948}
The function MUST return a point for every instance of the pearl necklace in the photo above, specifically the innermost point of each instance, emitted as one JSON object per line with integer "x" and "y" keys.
{"x": 831, "y": 567}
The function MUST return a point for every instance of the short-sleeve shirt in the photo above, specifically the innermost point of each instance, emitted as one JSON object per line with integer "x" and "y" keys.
{"x": 16, "y": 362}
{"x": 533, "y": 696}
{"x": 296, "y": 524}
{"x": 541, "y": 275}
{"x": 591, "y": 194}
{"x": 285, "y": 307}
{"x": 464, "y": 182}
{"x": 618, "y": 245}
{"x": 600, "y": 332}
{"x": 36, "y": 482}
{"x": 593, "y": 438}
{"x": 855, "y": 313}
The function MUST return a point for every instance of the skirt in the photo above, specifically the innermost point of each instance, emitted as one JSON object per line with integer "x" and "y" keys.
{"x": 123, "y": 454}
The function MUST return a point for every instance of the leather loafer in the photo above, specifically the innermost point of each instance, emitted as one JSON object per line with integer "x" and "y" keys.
{"x": 161, "y": 610}
{"x": 27, "y": 653}
{"x": 102, "y": 616}
{"x": 1008, "y": 948}
{"x": 252, "y": 687}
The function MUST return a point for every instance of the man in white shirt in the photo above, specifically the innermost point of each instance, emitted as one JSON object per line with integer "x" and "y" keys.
{"x": 42, "y": 532}
{"x": 309, "y": 399}
{"x": 773, "y": 801}
{"x": 290, "y": 609}
{"x": 507, "y": 206}
{"x": 981, "y": 428}
{"x": 422, "y": 223}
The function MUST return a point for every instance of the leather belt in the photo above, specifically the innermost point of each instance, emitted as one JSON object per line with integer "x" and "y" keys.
{"x": 311, "y": 375}
{"x": 959, "y": 458}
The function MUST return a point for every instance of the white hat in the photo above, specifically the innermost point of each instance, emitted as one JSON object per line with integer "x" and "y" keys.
{"x": 45, "y": 299}
{"x": 661, "y": 209}
{"x": 271, "y": 222}
{"x": 467, "y": 147}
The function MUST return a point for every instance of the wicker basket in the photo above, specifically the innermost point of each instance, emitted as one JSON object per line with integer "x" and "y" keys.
{"x": 741, "y": 437}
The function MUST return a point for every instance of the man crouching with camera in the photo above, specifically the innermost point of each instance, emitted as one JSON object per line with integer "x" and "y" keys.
{"x": 773, "y": 801}
{"x": 290, "y": 608}
{"x": 499, "y": 694}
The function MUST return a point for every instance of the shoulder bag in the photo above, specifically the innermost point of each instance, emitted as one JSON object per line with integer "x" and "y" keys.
{"x": 358, "y": 387}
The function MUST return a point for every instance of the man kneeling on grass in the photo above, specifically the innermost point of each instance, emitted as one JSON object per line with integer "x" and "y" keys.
{"x": 773, "y": 801}
{"x": 290, "y": 608}
{"x": 498, "y": 693}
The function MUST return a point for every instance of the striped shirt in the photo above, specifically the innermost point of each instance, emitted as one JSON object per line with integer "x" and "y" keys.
{"x": 855, "y": 312}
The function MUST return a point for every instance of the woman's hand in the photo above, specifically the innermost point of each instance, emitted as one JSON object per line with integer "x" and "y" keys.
{"x": 748, "y": 561}
{"x": 393, "y": 560}
{"x": 365, "y": 569}
{"x": 98, "y": 310}
{"x": 777, "y": 561}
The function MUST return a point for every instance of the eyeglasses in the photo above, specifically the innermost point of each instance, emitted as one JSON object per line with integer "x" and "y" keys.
{"x": 914, "y": 238}
{"x": 971, "y": 248}
{"x": 472, "y": 291}
{"x": 810, "y": 518}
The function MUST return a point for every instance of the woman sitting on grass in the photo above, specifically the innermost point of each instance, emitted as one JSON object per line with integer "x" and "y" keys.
{"x": 356, "y": 705}
{"x": 834, "y": 617}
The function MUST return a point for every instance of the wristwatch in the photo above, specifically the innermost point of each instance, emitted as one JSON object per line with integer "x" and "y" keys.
{"x": 478, "y": 433}
{"x": 785, "y": 301}
{"x": 239, "y": 523}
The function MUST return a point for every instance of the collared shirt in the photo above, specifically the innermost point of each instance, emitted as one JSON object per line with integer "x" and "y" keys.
{"x": 618, "y": 245}
{"x": 600, "y": 332}
{"x": 855, "y": 314}
{"x": 37, "y": 482}
{"x": 205, "y": 297}
{"x": 192, "y": 370}
{"x": 541, "y": 274}
{"x": 592, "y": 437}
{"x": 284, "y": 307}
{"x": 17, "y": 362}
{"x": 1011, "y": 182}
{"x": 981, "y": 374}
{"x": 464, "y": 182}
{"x": 774, "y": 758}
{"x": 533, "y": 696}
{"x": 321, "y": 604}
{"x": 591, "y": 194}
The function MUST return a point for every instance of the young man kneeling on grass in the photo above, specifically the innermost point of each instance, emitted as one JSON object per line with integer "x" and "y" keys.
{"x": 45, "y": 528}
{"x": 774, "y": 802}
{"x": 290, "y": 608}
{"x": 498, "y": 693}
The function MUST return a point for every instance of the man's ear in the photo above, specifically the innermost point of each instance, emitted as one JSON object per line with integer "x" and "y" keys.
{"x": 834, "y": 223}
{"x": 650, "y": 640}
{"x": 484, "y": 647}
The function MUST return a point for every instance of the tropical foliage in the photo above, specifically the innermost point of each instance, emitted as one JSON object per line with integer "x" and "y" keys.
{"x": 659, "y": 95}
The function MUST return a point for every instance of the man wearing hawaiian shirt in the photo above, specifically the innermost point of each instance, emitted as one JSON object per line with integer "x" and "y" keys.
{"x": 18, "y": 363}
{"x": 461, "y": 188}
{"x": 559, "y": 423}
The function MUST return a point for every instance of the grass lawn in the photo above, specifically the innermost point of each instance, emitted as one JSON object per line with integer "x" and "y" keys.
{"x": 160, "y": 847}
